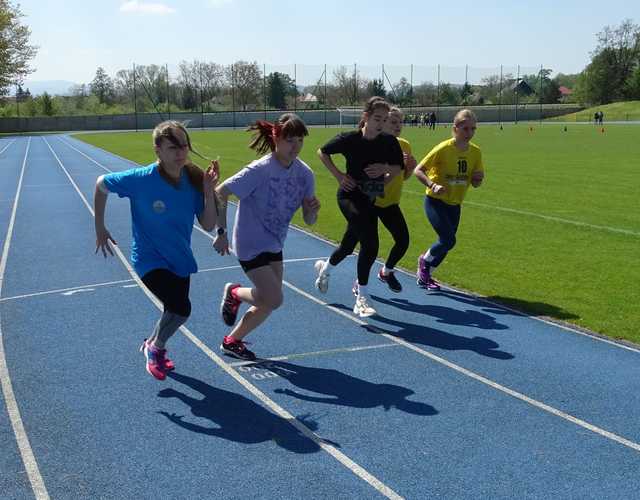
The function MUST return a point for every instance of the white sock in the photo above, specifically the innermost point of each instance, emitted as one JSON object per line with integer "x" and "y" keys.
{"x": 327, "y": 267}
{"x": 362, "y": 290}
{"x": 386, "y": 270}
{"x": 428, "y": 257}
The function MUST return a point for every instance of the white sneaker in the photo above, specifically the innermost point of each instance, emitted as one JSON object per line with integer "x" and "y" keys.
{"x": 322, "y": 281}
{"x": 362, "y": 307}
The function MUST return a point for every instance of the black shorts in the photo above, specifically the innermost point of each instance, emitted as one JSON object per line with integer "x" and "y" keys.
{"x": 260, "y": 260}
{"x": 172, "y": 290}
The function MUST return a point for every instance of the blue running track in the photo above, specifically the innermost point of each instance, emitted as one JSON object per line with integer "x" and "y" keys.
{"x": 442, "y": 395}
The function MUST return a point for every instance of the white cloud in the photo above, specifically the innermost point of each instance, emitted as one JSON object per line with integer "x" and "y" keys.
{"x": 146, "y": 7}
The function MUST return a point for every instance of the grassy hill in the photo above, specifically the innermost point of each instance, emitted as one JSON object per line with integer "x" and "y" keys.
{"x": 617, "y": 111}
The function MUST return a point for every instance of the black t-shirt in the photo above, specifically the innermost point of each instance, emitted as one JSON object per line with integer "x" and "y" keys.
{"x": 359, "y": 153}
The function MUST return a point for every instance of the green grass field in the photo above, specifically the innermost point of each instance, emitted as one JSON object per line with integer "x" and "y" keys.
{"x": 554, "y": 230}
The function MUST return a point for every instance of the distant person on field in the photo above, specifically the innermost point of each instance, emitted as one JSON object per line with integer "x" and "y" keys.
{"x": 270, "y": 190}
{"x": 447, "y": 171}
{"x": 165, "y": 197}
{"x": 432, "y": 120}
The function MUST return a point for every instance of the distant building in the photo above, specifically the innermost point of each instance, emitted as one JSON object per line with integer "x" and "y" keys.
{"x": 565, "y": 93}
{"x": 308, "y": 99}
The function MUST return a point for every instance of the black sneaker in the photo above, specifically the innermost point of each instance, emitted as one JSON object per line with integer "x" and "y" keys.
{"x": 229, "y": 305}
{"x": 236, "y": 349}
{"x": 391, "y": 281}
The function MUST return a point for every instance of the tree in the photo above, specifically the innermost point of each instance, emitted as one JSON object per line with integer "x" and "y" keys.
{"x": 15, "y": 51}
{"x": 279, "y": 86}
{"x": 348, "y": 85}
{"x": 46, "y": 104}
{"x": 613, "y": 63}
{"x": 402, "y": 92}
{"x": 245, "y": 78}
{"x": 376, "y": 87}
{"x": 102, "y": 87}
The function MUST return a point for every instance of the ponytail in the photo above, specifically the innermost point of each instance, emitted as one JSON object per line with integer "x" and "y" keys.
{"x": 265, "y": 133}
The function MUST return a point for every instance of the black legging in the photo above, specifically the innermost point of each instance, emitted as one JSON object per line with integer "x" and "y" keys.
{"x": 172, "y": 290}
{"x": 362, "y": 226}
{"x": 394, "y": 221}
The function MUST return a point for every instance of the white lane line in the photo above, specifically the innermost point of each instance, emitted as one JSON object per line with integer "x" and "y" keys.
{"x": 558, "y": 323}
{"x": 272, "y": 405}
{"x": 10, "y": 143}
{"x": 28, "y": 458}
{"x": 63, "y": 290}
{"x": 314, "y": 353}
{"x": 545, "y": 217}
{"x": 538, "y": 404}
{"x": 475, "y": 376}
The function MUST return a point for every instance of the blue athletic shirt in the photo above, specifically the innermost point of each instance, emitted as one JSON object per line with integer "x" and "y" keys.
{"x": 162, "y": 218}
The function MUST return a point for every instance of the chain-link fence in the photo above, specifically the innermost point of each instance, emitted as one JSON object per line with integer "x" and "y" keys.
{"x": 213, "y": 95}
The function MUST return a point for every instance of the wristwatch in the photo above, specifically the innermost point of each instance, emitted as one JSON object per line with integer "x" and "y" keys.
{"x": 221, "y": 231}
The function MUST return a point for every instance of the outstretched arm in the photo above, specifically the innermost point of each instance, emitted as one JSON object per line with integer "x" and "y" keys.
{"x": 103, "y": 237}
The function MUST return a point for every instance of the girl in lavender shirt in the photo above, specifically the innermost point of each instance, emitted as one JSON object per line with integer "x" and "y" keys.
{"x": 270, "y": 190}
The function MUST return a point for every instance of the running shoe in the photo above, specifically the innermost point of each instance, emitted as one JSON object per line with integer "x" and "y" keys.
{"x": 154, "y": 364}
{"x": 161, "y": 355}
{"x": 362, "y": 307}
{"x": 229, "y": 305}
{"x": 422, "y": 273}
{"x": 431, "y": 284}
{"x": 322, "y": 280}
{"x": 236, "y": 349}
{"x": 391, "y": 281}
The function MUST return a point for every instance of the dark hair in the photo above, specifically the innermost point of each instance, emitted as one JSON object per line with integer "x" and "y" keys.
{"x": 265, "y": 133}
{"x": 375, "y": 102}
{"x": 166, "y": 130}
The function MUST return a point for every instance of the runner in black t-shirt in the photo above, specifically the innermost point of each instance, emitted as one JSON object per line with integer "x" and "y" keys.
{"x": 372, "y": 159}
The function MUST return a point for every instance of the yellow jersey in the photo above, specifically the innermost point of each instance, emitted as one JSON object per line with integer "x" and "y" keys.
{"x": 452, "y": 168}
{"x": 393, "y": 190}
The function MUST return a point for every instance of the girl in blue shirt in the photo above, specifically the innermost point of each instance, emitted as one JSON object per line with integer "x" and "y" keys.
{"x": 165, "y": 196}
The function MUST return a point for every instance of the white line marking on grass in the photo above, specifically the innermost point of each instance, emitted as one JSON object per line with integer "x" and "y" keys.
{"x": 29, "y": 460}
{"x": 62, "y": 290}
{"x": 314, "y": 353}
{"x": 545, "y": 217}
{"x": 272, "y": 405}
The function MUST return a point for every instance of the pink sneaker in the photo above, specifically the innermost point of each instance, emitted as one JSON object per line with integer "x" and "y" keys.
{"x": 162, "y": 356}
{"x": 154, "y": 364}
{"x": 422, "y": 273}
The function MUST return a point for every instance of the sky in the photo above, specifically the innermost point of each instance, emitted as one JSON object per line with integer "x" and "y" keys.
{"x": 76, "y": 37}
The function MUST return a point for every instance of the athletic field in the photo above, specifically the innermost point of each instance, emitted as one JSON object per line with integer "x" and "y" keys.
{"x": 554, "y": 230}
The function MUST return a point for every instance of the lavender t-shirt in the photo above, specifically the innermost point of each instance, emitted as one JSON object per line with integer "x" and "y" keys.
{"x": 269, "y": 195}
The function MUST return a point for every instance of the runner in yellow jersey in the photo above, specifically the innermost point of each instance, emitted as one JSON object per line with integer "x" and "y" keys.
{"x": 447, "y": 171}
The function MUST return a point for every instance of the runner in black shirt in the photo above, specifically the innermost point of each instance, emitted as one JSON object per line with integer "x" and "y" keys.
{"x": 372, "y": 159}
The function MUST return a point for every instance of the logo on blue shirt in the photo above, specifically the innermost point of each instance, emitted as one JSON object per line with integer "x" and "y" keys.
{"x": 159, "y": 207}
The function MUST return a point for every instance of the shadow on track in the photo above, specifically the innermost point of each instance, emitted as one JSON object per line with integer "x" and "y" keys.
{"x": 344, "y": 390}
{"x": 237, "y": 418}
